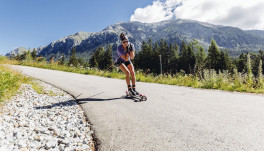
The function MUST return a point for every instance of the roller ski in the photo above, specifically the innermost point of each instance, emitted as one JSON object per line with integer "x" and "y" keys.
{"x": 135, "y": 95}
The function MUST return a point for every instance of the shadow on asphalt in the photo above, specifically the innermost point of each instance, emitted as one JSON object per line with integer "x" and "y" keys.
{"x": 60, "y": 104}
{"x": 73, "y": 102}
{"x": 82, "y": 101}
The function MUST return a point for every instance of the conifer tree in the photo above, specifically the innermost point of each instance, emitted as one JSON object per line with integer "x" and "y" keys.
{"x": 73, "y": 60}
{"x": 147, "y": 55}
{"x": 28, "y": 57}
{"x": 108, "y": 61}
{"x": 62, "y": 60}
{"x": 260, "y": 77}
{"x": 254, "y": 63}
{"x": 139, "y": 60}
{"x": 156, "y": 58}
{"x": 249, "y": 71}
{"x": 93, "y": 61}
{"x": 183, "y": 57}
{"x": 145, "y": 59}
{"x": 191, "y": 59}
{"x": 164, "y": 52}
{"x": 173, "y": 59}
{"x": 176, "y": 47}
{"x": 80, "y": 61}
{"x": 261, "y": 57}
{"x": 101, "y": 58}
{"x": 99, "y": 55}
{"x": 22, "y": 56}
{"x": 187, "y": 58}
{"x": 227, "y": 61}
{"x": 34, "y": 54}
{"x": 213, "y": 56}
{"x": 200, "y": 61}
{"x": 221, "y": 61}
{"x": 153, "y": 57}
{"x": 194, "y": 45}
{"x": 241, "y": 63}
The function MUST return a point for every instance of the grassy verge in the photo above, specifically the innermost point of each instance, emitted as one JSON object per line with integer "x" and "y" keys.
{"x": 39, "y": 88}
{"x": 10, "y": 81}
{"x": 211, "y": 80}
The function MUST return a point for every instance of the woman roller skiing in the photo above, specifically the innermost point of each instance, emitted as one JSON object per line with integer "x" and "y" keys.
{"x": 126, "y": 53}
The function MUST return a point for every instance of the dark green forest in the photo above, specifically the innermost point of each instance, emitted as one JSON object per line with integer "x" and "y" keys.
{"x": 189, "y": 58}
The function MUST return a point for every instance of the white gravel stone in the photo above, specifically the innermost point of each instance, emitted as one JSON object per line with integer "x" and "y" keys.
{"x": 32, "y": 121}
{"x": 50, "y": 144}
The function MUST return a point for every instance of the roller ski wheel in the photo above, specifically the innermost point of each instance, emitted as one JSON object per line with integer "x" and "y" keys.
{"x": 143, "y": 97}
{"x": 139, "y": 97}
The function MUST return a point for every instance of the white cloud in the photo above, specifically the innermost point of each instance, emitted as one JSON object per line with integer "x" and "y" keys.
{"x": 156, "y": 12}
{"x": 244, "y": 14}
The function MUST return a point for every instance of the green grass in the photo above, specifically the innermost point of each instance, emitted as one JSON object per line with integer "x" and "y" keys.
{"x": 40, "y": 89}
{"x": 211, "y": 80}
{"x": 5, "y": 60}
{"x": 37, "y": 87}
{"x": 10, "y": 81}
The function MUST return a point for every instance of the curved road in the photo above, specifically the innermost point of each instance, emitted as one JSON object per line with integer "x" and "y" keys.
{"x": 174, "y": 118}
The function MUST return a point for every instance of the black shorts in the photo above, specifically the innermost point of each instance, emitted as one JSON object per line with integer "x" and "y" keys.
{"x": 124, "y": 62}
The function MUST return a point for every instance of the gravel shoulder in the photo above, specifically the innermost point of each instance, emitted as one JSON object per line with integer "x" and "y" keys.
{"x": 49, "y": 121}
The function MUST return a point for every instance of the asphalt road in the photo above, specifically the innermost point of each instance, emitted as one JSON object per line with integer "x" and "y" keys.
{"x": 173, "y": 118}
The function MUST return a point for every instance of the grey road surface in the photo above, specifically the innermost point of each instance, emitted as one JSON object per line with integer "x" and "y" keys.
{"x": 172, "y": 119}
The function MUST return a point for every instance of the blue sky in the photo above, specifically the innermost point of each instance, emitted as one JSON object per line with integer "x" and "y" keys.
{"x": 34, "y": 23}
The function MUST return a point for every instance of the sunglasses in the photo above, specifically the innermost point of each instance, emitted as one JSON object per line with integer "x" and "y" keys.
{"x": 124, "y": 42}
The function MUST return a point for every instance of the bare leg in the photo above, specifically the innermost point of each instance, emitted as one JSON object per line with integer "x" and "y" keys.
{"x": 132, "y": 72}
{"x": 126, "y": 71}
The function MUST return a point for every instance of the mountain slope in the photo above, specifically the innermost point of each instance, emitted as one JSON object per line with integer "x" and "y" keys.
{"x": 258, "y": 33}
{"x": 19, "y": 50}
{"x": 234, "y": 39}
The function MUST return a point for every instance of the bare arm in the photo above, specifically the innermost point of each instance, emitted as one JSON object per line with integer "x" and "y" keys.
{"x": 132, "y": 54}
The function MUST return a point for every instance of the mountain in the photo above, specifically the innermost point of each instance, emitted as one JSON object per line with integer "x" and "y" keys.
{"x": 64, "y": 45}
{"x": 259, "y": 33}
{"x": 232, "y": 38}
{"x": 19, "y": 50}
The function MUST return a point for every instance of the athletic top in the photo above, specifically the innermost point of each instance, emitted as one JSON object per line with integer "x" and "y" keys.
{"x": 121, "y": 51}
